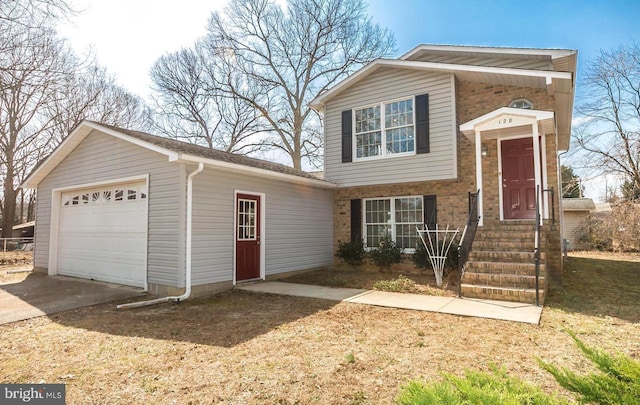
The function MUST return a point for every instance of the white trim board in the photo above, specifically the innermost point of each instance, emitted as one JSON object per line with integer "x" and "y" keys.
{"x": 263, "y": 235}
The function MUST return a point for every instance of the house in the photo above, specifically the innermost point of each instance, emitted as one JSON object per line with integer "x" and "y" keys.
{"x": 132, "y": 208}
{"x": 409, "y": 140}
{"x": 429, "y": 138}
{"x": 576, "y": 213}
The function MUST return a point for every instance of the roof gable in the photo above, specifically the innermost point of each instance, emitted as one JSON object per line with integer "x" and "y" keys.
{"x": 175, "y": 151}
{"x": 556, "y": 73}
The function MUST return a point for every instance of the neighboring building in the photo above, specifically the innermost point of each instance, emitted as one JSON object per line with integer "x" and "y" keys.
{"x": 576, "y": 215}
{"x": 115, "y": 205}
{"x": 24, "y": 230}
{"x": 407, "y": 140}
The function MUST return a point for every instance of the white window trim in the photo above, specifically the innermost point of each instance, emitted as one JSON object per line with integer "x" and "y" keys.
{"x": 393, "y": 222}
{"x": 383, "y": 131}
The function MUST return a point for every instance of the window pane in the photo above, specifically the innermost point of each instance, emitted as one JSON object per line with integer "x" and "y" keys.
{"x": 398, "y": 113}
{"x": 368, "y": 119}
{"x": 247, "y": 220}
{"x": 369, "y": 144}
{"x": 408, "y": 214}
{"x": 400, "y": 140}
{"x": 375, "y": 233}
{"x": 406, "y": 236}
{"x": 377, "y": 221}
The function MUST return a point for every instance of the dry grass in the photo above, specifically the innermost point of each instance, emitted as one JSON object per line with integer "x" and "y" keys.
{"x": 14, "y": 261}
{"x": 243, "y": 348}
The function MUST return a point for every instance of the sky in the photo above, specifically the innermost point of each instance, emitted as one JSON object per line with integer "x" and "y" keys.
{"x": 127, "y": 36}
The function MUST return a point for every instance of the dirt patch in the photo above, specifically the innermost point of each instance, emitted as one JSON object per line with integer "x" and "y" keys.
{"x": 245, "y": 348}
{"x": 420, "y": 281}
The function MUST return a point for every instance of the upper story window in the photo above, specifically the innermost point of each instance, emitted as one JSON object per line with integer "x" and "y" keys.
{"x": 385, "y": 129}
{"x": 522, "y": 103}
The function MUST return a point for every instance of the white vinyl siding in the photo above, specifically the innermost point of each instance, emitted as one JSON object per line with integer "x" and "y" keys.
{"x": 395, "y": 84}
{"x": 575, "y": 228}
{"x": 298, "y": 226}
{"x": 102, "y": 158}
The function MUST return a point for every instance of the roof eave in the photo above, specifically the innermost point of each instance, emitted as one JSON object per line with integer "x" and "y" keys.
{"x": 319, "y": 101}
{"x": 552, "y": 53}
{"x": 186, "y": 158}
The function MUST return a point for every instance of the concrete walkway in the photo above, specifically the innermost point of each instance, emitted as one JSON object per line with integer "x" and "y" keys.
{"x": 40, "y": 294}
{"x": 506, "y": 311}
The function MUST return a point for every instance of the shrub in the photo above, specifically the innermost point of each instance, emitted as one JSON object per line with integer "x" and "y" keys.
{"x": 401, "y": 284}
{"x": 476, "y": 387}
{"x": 386, "y": 254}
{"x": 351, "y": 252}
{"x": 421, "y": 258}
{"x": 617, "y": 383}
{"x": 615, "y": 230}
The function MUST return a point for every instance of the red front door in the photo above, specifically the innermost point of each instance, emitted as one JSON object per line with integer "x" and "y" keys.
{"x": 247, "y": 237}
{"x": 518, "y": 179}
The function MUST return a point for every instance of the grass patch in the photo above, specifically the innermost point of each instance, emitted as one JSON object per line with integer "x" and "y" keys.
{"x": 238, "y": 347}
{"x": 401, "y": 284}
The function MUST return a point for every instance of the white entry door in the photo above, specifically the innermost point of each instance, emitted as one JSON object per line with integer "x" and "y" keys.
{"x": 102, "y": 234}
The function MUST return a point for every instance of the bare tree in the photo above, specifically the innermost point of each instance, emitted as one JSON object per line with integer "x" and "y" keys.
{"x": 286, "y": 57}
{"x": 89, "y": 92}
{"x": 30, "y": 82}
{"x": 45, "y": 90}
{"x": 609, "y": 134}
{"x": 32, "y": 13}
{"x": 190, "y": 105}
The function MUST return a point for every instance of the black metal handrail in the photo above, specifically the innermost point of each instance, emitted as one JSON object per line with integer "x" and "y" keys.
{"x": 536, "y": 248}
{"x": 468, "y": 235}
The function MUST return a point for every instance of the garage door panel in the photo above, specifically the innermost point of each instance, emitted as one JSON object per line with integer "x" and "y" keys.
{"x": 103, "y": 235}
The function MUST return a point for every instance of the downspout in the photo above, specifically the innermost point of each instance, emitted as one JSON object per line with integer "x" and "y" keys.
{"x": 187, "y": 291}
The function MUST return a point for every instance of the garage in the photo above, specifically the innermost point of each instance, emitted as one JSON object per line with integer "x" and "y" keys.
{"x": 102, "y": 233}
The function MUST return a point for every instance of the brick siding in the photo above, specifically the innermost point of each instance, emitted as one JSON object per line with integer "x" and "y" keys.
{"x": 472, "y": 100}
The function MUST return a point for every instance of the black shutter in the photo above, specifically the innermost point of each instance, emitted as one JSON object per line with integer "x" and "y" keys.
{"x": 430, "y": 210}
{"x": 422, "y": 123}
{"x": 356, "y": 220}
{"x": 346, "y": 137}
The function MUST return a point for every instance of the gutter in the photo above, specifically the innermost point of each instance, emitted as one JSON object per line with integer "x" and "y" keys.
{"x": 187, "y": 291}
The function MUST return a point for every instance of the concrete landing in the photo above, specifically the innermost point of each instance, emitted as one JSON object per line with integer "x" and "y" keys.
{"x": 506, "y": 311}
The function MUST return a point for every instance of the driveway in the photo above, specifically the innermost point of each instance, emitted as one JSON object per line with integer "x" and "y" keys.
{"x": 39, "y": 294}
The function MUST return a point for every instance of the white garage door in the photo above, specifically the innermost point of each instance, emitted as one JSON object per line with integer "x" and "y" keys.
{"x": 103, "y": 234}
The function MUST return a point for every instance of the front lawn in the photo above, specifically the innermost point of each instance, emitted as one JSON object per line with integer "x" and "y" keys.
{"x": 244, "y": 348}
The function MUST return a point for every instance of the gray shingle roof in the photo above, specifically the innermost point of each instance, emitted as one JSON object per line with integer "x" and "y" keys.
{"x": 207, "y": 153}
